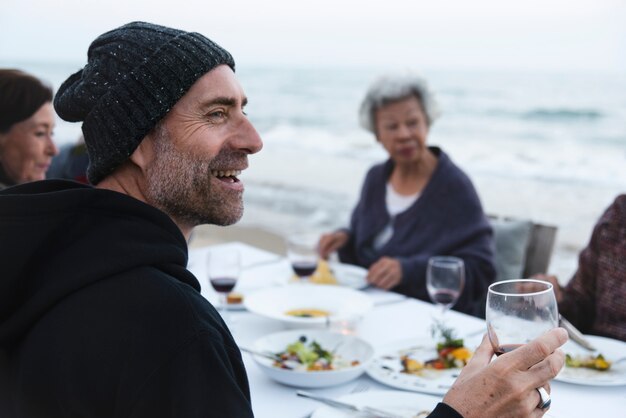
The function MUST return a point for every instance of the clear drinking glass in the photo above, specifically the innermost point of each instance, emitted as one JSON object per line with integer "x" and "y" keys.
{"x": 223, "y": 267}
{"x": 302, "y": 254}
{"x": 445, "y": 278}
{"x": 519, "y": 311}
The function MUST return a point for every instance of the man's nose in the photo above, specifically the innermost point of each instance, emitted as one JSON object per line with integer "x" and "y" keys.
{"x": 251, "y": 141}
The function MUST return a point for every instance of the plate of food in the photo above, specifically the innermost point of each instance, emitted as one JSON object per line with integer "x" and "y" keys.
{"x": 397, "y": 402}
{"x": 429, "y": 365}
{"x": 312, "y": 358}
{"x": 604, "y": 367}
{"x": 301, "y": 305}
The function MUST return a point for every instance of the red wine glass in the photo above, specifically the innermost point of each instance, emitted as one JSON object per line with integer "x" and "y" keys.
{"x": 519, "y": 311}
{"x": 445, "y": 278}
{"x": 223, "y": 268}
{"x": 302, "y": 254}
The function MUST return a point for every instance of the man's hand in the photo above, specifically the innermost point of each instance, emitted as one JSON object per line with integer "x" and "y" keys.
{"x": 506, "y": 387}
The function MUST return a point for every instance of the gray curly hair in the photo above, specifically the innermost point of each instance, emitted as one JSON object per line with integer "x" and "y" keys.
{"x": 392, "y": 88}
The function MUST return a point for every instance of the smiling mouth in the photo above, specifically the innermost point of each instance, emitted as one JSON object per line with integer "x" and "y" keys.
{"x": 226, "y": 175}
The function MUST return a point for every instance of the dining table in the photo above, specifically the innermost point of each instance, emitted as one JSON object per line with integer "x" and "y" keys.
{"x": 394, "y": 317}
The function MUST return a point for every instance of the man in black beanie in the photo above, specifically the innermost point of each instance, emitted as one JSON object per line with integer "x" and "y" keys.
{"x": 99, "y": 315}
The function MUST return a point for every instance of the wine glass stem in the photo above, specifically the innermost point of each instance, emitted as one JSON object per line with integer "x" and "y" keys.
{"x": 224, "y": 307}
{"x": 443, "y": 313}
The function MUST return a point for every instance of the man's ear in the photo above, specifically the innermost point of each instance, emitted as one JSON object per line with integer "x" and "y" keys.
{"x": 144, "y": 154}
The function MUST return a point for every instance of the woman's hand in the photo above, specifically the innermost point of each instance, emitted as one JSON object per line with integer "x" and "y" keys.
{"x": 330, "y": 243}
{"x": 506, "y": 387}
{"x": 385, "y": 273}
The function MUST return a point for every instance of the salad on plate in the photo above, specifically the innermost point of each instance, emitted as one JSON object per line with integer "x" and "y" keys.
{"x": 304, "y": 355}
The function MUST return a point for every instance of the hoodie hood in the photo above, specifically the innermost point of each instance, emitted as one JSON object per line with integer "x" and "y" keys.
{"x": 58, "y": 236}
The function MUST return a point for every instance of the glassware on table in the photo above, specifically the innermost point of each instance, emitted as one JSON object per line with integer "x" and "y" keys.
{"x": 519, "y": 311}
{"x": 445, "y": 278}
{"x": 346, "y": 324}
{"x": 223, "y": 270}
{"x": 302, "y": 254}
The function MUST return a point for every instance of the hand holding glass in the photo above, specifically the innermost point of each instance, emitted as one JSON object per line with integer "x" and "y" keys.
{"x": 445, "y": 278}
{"x": 519, "y": 311}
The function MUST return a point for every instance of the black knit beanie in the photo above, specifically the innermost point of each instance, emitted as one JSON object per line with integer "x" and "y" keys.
{"x": 133, "y": 77}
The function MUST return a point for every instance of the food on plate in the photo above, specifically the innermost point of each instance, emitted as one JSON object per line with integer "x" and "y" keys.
{"x": 234, "y": 298}
{"x": 451, "y": 353}
{"x": 589, "y": 362}
{"x": 323, "y": 274}
{"x": 308, "y": 313}
{"x": 304, "y": 356}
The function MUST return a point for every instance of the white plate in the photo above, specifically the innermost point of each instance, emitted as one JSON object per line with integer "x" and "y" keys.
{"x": 386, "y": 368}
{"x": 340, "y": 302}
{"x": 610, "y": 349}
{"x": 395, "y": 401}
{"x": 349, "y": 275}
{"x": 349, "y": 347}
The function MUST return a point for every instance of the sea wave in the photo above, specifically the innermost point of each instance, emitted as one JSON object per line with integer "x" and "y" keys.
{"x": 560, "y": 114}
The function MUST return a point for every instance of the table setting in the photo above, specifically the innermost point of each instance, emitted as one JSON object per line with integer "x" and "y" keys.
{"x": 380, "y": 335}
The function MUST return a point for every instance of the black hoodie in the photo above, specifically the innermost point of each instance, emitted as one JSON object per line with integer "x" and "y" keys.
{"x": 99, "y": 316}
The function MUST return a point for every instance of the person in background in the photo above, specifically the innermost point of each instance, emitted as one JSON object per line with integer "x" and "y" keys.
{"x": 71, "y": 163}
{"x": 594, "y": 299}
{"x": 100, "y": 316}
{"x": 415, "y": 205}
{"x": 26, "y": 127}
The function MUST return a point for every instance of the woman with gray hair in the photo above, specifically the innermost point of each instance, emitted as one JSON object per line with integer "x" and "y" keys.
{"x": 415, "y": 205}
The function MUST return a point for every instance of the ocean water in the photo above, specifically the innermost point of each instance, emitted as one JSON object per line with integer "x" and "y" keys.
{"x": 548, "y": 147}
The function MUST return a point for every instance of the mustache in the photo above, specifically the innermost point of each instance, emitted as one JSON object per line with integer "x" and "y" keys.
{"x": 229, "y": 159}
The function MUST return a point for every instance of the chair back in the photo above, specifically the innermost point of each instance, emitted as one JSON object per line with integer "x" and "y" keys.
{"x": 522, "y": 247}
{"x": 539, "y": 249}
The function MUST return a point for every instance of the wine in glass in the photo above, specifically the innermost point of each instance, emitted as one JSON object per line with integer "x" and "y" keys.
{"x": 302, "y": 254}
{"x": 445, "y": 278}
{"x": 223, "y": 268}
{"x": 519, "y": 311}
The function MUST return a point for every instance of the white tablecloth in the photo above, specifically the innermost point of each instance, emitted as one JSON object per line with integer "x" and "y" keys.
{"x": 394, "y": 318}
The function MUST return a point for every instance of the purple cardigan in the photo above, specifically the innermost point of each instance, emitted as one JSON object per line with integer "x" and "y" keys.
{"x": 447, "y": 219}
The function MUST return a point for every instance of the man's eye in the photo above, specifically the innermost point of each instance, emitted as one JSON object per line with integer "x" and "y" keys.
{"x": 391, "y": 127}
{"x": 218, "y": 114}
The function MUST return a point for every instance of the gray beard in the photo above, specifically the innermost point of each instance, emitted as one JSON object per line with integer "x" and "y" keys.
{"x": 179, "y": 184}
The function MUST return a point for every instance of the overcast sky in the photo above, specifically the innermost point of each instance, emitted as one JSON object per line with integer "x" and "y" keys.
{"x": 542, "y": 35}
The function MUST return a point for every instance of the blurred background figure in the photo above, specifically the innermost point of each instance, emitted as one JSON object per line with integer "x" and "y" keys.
{"x": 594, "y": 300}
{"x": 415, "y": 205}
{"x": 27, "y": 121}
{"x": 71, "y": 162}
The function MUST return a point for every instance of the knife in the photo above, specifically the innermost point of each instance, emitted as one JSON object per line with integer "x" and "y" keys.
{"x": 575, "y": 335}
{"x": 365, "y": 411}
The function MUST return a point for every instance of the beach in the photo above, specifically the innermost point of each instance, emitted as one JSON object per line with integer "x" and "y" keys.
{"x": 548, "y": 147}
{"x": 275, "y": 200}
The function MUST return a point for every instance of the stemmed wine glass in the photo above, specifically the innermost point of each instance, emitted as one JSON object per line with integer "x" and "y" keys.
{"x": 302, "y": 254}
{"x": 445, "y": 278}
{"x": 519, "y": 311}
{"x": 223, "y": 267}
